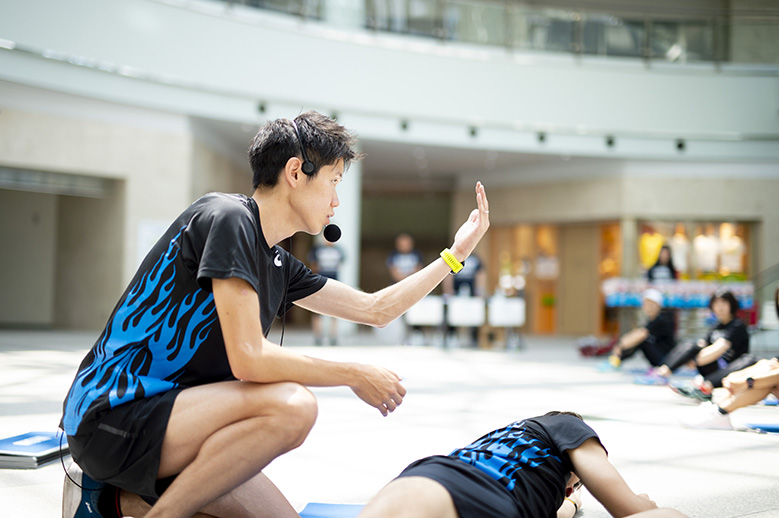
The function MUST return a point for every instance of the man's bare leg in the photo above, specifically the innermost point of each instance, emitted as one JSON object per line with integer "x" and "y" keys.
{"x": 420, "y": 497}
{"x": 133, "y": 506}
{"x": 411, "y": 497}
{"x": 219, "y": 438}
{"x": 241, "y": 501}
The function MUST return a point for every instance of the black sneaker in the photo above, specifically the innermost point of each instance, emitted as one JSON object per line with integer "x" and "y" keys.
{"x": 80, "y": 502}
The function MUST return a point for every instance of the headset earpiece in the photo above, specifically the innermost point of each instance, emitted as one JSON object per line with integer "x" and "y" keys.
{"x": 308, "y": 166}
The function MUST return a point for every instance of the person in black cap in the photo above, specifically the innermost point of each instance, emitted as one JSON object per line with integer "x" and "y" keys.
{"x": 654, "y": 339}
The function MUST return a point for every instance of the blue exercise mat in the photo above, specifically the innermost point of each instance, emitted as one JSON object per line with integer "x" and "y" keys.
{"x": 763, "y": 427}
{"x": 331, "y": 511}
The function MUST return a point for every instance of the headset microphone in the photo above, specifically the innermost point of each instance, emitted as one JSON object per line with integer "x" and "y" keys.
{"x": 308, "y": 166}
{"x": 332, "y": 233}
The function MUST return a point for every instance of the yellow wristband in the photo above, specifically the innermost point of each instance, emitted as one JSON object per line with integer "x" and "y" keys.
{"x": 451, "y": 260}
{"x": 575, "y": 505}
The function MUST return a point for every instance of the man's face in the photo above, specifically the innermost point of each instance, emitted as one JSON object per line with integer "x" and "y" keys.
{"x": 573, "y": 484}
{"x": 319, "y": 198}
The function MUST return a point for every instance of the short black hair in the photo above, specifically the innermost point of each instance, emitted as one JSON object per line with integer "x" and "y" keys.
{"x": 324, "y": 140}
{"x": 728, "y": 297}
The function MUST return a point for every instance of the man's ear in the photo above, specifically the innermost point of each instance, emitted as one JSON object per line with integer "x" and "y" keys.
{"x": 292, "y": 171}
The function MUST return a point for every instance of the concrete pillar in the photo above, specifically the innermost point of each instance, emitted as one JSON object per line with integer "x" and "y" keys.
{"x": 629, "y": 232}
{"x": 347, "y": 217}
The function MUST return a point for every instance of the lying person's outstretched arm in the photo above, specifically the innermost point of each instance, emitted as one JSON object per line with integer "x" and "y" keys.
{"x": 605, "y": 483}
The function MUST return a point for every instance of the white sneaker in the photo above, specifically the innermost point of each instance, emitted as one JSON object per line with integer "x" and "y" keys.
{"x": 708, "y": 416}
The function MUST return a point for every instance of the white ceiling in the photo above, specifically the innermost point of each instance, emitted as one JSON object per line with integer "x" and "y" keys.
{"x": 390, "y": 165}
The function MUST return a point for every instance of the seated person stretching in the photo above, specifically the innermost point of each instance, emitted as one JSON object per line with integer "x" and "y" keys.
{"x": 746, "y": 387}
{"x": 655, "y": 339}
{"x": 725, "y": 349}
{"x": 530, "y": 468}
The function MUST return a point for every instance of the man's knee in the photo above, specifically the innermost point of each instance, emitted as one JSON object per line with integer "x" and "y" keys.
{"x": 292, "y": 407}
{"x": 302, "y": 407}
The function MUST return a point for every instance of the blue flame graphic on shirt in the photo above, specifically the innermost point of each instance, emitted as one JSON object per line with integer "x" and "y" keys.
{"x": 504, "y": 452}
{"x": 146, "y": 345}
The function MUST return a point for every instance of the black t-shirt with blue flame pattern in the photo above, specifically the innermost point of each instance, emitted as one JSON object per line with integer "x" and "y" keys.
{"x": 164, "y": 332}
{"x": 529, "y": 458}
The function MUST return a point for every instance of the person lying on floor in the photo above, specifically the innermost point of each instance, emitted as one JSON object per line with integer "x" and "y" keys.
{"x": 530, "y": 468}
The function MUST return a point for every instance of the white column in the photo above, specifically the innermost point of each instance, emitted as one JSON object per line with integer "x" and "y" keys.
{"x": 629, "y": 231}
{"x": 347, "y": 217}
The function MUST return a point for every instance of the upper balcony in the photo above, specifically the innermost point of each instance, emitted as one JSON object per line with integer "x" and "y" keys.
{"x": 662, "y": 32}
{"x": 669, "y": 80}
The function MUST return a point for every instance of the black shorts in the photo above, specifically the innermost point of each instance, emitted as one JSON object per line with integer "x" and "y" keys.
{"x": 716, "y": 371}
{"x": 475, "y": 494}
{"x": 122, "y": 447}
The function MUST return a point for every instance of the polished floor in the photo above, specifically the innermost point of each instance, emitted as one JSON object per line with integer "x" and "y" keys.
{"x": 454, "y": 396}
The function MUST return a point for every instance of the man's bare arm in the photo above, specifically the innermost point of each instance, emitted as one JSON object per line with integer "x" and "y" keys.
{"x": 380, "y": 308}
{"x": 254, "y": 358}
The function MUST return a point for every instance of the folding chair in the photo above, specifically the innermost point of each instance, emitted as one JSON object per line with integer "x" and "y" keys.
{"x": 507, "y": 314}
{"x": 464, "y": 314}
{"x": 428, "y": 313}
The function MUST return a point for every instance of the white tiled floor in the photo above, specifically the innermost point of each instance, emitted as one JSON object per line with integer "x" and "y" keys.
{"x": 454, "y": 397}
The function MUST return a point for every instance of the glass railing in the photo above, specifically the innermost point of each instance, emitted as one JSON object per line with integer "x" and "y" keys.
{"x": 681, "y": 37}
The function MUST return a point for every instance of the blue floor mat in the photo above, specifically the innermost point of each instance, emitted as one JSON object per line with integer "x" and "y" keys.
{"x": 763, "y": 427}
{"x": 314, "y": 510}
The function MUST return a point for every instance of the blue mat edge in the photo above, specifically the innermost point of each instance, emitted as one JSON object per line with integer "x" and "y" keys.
{"x": 763, "y": 427}
{"x": 320, "y": 510}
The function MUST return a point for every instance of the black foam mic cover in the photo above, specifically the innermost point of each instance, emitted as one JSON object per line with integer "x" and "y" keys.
{"x": 332, "y": 233}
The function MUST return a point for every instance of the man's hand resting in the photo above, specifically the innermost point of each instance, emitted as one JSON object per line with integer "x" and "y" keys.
{"x": 379, "y": 387}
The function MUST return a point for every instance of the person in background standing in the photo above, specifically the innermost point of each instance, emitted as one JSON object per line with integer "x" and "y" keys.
{"x": 469, "y": 282}
{"x": 663, "y": 270}
{"x": 404, "y": 259}
{"x": 326, "y": 259}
